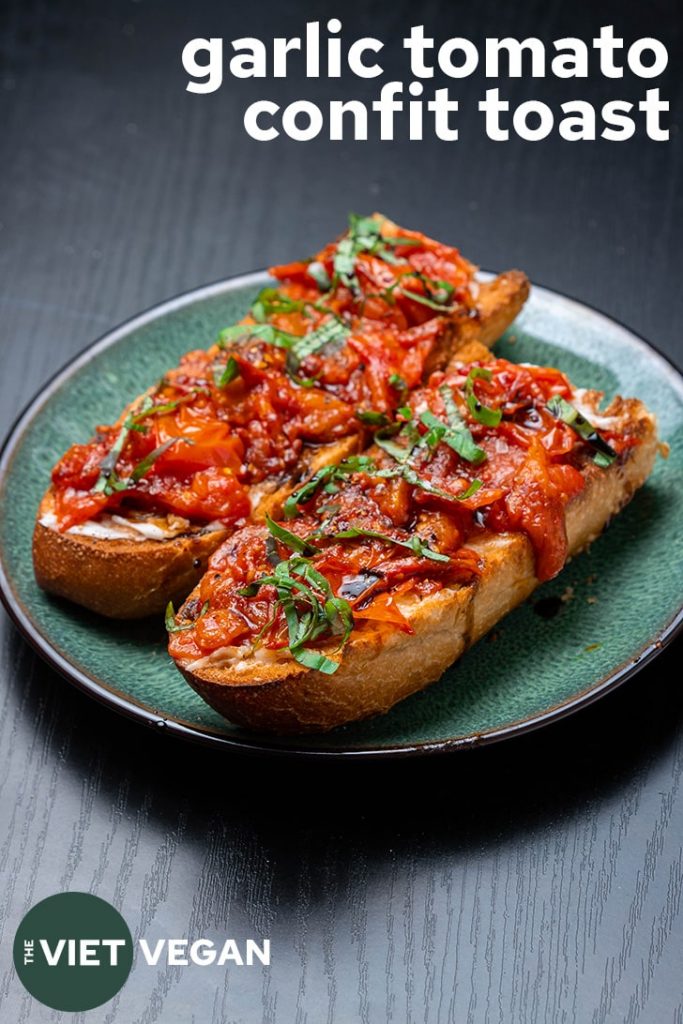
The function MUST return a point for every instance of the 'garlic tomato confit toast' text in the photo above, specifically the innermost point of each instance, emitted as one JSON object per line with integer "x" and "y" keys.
{"x": 319, "y": 363}
{"x": 385, "y": 568}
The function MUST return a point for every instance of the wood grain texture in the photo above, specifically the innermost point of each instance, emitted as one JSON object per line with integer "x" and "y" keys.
{"x": 536, "y": 882}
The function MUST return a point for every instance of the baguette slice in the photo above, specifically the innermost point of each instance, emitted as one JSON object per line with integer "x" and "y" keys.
{"x": 381, "y": 666}
{"x": 131, "y": 575}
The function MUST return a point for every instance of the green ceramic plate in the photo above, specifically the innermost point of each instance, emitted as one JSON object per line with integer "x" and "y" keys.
{"x": 610, "y": 611}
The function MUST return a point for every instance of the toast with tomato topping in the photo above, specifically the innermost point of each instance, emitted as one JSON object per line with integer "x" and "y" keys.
{"x": 381, "y": 573}
{"x": 320, "y": 362}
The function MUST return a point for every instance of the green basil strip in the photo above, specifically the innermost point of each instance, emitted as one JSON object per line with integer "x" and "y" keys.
{"x": 395, "y": 240}
{"x": 148, "y": 410}
{"x": 315, "y": 660}
{"x": 146, "y": 464}
{"x": 474, "y": 486}
{"x": 225, "y": 375}
{"x": 411, "y": 477}
{"x": 289, "y": 539}
{"x": 328, "y": 614}
{"x": 354, "y": 464}
{"x": 415, "y": 545}
{"x": 564, "y": 410}
{"x": 319, "y": 274}
{"x": 436, "y": 432}
{"x": 338, "y": 610}
{"x": 251, "y": 589}
{"x": 306, "y": 492}
{"x": 345, "y": 261}
{"x": 108, "y": 463}
{"x": 305, "y": 569}
{"x": 331, "y": 330}
{"x": 456, "y": 435}
{"x": 462, "y": 442}
{"x": 602, "y": 460}
{"x": 305, "y": 382}
{"x": 270, "y": 301}
{"x": 172, "y": 627}
{"x": 424, "y": 300}
{"x": 384, "y": 439}
{"x": 267, "y": 332}
{"x": 107, "y": 482}
{"x": 444, "y": 286}
{"x": 372, "y": 418}
{"x": 364, "y": 235}
{"x": 482, "y": 413}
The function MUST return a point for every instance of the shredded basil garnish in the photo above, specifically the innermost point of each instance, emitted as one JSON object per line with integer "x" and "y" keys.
{"x": 458, "y": 437}
{"x": 388, "y": 439}
{"x": 148, "y": 408}
{"x": 108, "y": 482}
{"x": 456, "y": 434}
{"x": 425, "y": 300}
{"x": 327, "y": 475}
{"x": 289, "y": 539}
{"x": 482, "y": 413}
{"x": 319, "y": 274}
{"x": 224, "y": 375}
{"x": 298, "y": 583}
{"x": 372, "y": 418}
{"x": 267, "y": 332}
{"x": 415, "y": 544}
{"x": 436, "y": 432}
{"x": 331, "y": 330}
{"x": 270, "y": 302}
{"x": 298, "y": 346}
{"x": 565, "y": 411}
{"x": 412, "y": 477}
{"x": 146, "y": 464}
{"x": 364, "y": 235}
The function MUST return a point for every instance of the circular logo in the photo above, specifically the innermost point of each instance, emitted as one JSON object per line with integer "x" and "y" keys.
{"x": 73, "y": 951}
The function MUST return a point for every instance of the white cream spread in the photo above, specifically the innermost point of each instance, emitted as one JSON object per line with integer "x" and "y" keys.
{"x": 113, "y": 527}
{"x": 239, "y": 658}
{"x": 598, "y": 421}
{"x": 257, "y": 492}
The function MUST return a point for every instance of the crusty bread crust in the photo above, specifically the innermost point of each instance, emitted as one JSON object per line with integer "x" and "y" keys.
{"x": 381, "y": 666}
{"x": 125, "y": 579}
{"x": 498, "y": 302}
{"x": 122, "y": 579}
{"x": 131, "y": 579}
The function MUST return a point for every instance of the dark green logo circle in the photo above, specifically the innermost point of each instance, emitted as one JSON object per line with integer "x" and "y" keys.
{"x": 73, "y": 951}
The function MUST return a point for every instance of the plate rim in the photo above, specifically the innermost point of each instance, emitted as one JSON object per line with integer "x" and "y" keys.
{"x": 297, "y": 746}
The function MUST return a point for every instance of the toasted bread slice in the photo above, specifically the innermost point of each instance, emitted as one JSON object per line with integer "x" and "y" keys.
{"x": 117, "y": 575}
{"x": 132, "y": 575}
{"x": 126, "y": 578}
{"x": 269, "y": 691}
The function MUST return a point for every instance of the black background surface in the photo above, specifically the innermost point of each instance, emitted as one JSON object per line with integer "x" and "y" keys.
{"x": 538, "y": 881}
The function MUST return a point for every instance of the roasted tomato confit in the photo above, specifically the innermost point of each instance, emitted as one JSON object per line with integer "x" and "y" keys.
{"x": 382, "y": 272}
{"x": 487, "y": 447}
{"x": 332, "y": 353}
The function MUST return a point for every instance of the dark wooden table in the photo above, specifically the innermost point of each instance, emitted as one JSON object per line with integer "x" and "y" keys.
{"x": 539, "y": 881}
